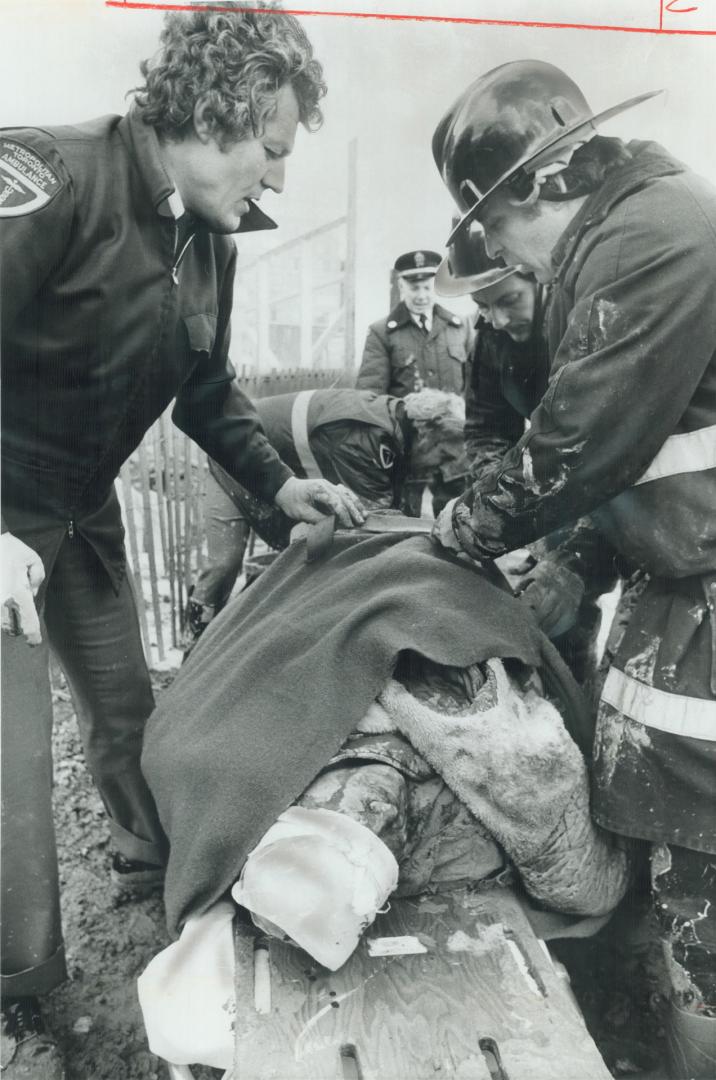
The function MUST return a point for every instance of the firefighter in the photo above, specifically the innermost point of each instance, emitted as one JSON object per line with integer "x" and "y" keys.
{"x": 351, "y": 437}
{"x": 116, "y": 275}
{"x": 626, "y": 432}
{"x": 419, "y": 345}
{"x": 562, "y": 576}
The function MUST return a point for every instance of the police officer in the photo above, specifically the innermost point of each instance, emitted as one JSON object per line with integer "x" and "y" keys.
{"x": 116, "y": 274}
{"x": 419, "y": 345}
{"x": 626, "y": 432}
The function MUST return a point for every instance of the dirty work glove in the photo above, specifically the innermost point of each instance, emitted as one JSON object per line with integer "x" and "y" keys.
{"x": 554, "y": 593}
{"x": 312, "y": 500}
{"x": 21, "y": 574}
{"x": 443, "y": 531}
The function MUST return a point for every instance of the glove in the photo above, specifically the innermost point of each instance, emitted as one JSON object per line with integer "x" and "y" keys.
{"x": 21, "y": 574}
{"x": 312, "y": 500}
{"x": 443, "y": 531}
{"x": 554, "y": 593}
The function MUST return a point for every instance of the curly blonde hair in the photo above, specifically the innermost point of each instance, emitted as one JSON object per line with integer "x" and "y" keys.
{"x": 236, "y": 60}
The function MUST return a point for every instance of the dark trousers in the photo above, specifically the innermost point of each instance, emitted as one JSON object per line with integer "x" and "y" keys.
{"x": 684, "y": 889}
{"x": 227, "y": 533}
{"x": 578, "y": 645}
{"x": 95, "y": 635}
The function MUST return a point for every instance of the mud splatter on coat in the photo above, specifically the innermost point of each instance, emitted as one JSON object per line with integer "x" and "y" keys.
{"x": 627, "y": 432}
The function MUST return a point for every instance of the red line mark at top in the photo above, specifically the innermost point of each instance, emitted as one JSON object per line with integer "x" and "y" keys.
{"x": 150, "y": 5}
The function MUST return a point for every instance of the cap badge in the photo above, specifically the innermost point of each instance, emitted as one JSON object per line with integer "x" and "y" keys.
{"x": 419, "y": 260}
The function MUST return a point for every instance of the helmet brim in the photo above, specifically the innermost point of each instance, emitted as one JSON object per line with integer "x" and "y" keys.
{"x": 565, "y": 138}
{"x": 449, "y": 284}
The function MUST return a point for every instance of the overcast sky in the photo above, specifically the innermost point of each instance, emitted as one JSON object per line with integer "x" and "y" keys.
{"x": 389, "y": 83}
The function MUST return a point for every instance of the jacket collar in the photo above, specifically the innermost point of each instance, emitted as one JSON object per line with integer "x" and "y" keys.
{"x": 400, "y": 316}
{"x": 144, "y": 145}
{"x": 649, "y": 160}
{"x": 142, "y": 140}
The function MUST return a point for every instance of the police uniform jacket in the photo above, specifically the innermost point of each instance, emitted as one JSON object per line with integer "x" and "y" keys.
{"x": 399, "y": 358}
{"x": 110, "y": 308}
{"x": 627, "y": 431}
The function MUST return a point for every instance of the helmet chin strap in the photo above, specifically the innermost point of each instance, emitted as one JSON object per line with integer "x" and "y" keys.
{"x": 551, "y": 170}
{"x": 560, "y": 163}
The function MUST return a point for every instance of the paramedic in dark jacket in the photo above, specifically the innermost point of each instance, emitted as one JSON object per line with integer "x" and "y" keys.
{"x": 626, "y": 431}
{"x": 562, "y": 576}
{"x": 419, "y": 345}
{"x": 351, "y": 437}
{"x": 117, "y": 272}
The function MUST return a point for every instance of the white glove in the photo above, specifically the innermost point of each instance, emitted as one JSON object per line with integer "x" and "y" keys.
{"x": 21, "y": 574}
{"x": 311, "y": 500}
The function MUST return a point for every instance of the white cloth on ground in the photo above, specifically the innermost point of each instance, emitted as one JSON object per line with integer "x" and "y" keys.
{"x": 186, "y": 993}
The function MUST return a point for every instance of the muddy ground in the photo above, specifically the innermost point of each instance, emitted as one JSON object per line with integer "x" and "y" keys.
{"x": 96, "y": 1015}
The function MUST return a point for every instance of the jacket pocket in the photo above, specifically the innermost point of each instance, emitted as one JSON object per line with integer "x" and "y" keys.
{"x": 201, "y": 332}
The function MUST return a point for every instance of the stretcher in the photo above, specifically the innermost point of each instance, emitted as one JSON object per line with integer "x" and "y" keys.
{"x": 455, "y": 986}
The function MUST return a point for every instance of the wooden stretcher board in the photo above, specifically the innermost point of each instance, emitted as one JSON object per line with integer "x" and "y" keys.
{"x": 483, "y": 1001}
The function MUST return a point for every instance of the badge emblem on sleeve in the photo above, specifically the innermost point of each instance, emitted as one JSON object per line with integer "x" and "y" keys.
{"x": 27, "y": 181}
{"x": 387, "y": 456}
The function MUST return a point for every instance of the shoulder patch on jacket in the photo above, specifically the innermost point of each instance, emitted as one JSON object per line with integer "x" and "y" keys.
{"x": 27, "y": 181}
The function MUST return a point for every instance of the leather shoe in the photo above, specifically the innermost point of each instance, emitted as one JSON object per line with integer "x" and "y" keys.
{"x": 27, "y": 1049}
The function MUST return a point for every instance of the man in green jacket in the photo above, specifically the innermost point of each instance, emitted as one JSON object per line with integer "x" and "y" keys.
{"x": 626, "y": 432}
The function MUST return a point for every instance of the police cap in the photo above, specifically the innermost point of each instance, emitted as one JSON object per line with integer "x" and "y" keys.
{"x": 416, "y": 265}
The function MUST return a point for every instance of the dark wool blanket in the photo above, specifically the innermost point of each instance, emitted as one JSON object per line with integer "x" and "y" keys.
{"x": 283, "y": 675}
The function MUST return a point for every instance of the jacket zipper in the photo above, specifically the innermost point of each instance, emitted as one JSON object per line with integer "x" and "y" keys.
{"x": 71, "y": 528}
{"x": 180, "y": 256}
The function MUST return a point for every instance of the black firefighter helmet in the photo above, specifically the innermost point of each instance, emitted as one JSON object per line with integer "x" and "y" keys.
{"x": 467, "y": 268}
{"x": 516, "y": 116}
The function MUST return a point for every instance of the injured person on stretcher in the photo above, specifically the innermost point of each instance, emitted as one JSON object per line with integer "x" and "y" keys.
{"x": 385, "y": 722}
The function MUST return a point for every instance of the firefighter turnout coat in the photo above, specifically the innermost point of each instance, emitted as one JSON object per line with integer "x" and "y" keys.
{"x": 626, "y": 432}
